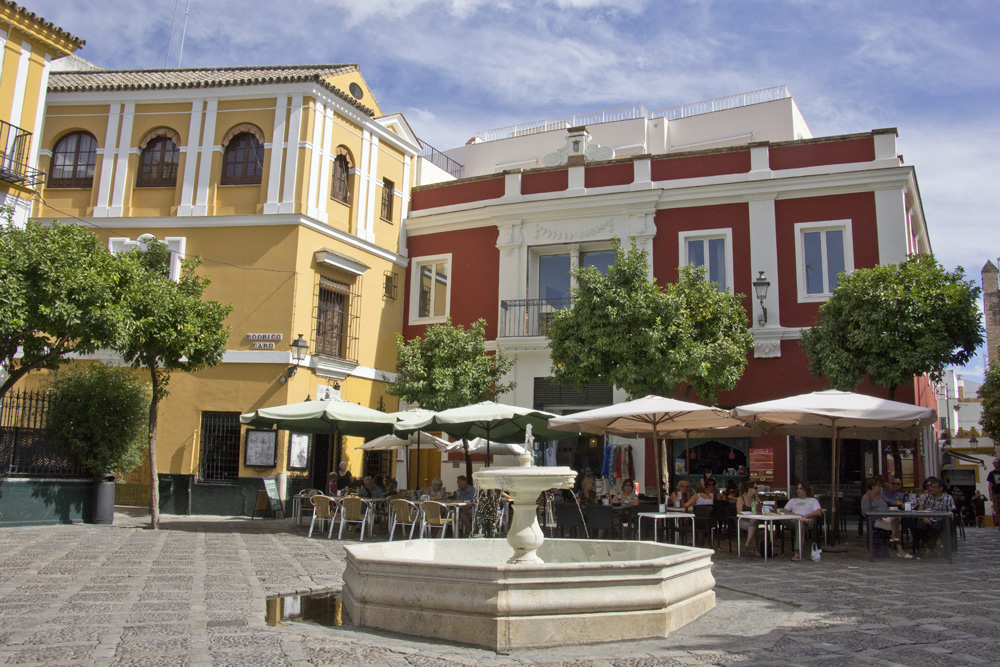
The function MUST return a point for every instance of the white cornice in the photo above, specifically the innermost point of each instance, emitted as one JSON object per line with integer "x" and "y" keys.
{"x": 686, "y": 192}
{"x": 209, "y": 221}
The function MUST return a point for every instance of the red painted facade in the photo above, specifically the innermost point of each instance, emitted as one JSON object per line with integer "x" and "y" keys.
{"x": 457, "y": 193}
{"x": 822, "y": 153}
{"x": 717, "y": 164}
{"x": 544, "y": 181}
{"x": 609, "y": 174}
{"x": 475, "y": 283}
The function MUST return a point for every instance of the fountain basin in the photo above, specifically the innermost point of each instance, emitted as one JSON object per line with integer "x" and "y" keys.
{"x": 585, "y": 591}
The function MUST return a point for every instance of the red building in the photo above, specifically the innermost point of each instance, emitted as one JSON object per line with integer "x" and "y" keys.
{"x": 744, "y": 190}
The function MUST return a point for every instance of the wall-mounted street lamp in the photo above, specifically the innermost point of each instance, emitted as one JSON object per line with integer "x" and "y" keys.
{"x": 300, "y": 348}
{"x": 760, "y": 286}
{"x": 974, "y": 443}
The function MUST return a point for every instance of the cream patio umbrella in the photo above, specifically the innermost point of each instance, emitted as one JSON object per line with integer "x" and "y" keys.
{"x": 839, "y": 414}
{"x": 393, "y": 442}
{"x": 651, "y": 415}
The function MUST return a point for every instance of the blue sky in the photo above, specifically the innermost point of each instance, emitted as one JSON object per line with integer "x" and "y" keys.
{"x": 454, "y": 67}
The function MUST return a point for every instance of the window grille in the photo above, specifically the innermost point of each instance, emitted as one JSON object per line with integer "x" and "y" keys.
{"x": 243, "y": 161}
{"x": 549, "y": 394}
{"x": 337, "y": 320}
{"x": 220, "y": 446}
{"x": 391, "y": 285}
{"x": 387, "y": 188}
{"x": 377, "y": 463}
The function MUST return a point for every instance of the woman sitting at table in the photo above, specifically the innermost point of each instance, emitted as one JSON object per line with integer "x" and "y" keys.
{"x": 732, "y": 492}
{"x": 706, "y": 496}
{"x": 627, "y": 498}
{"x": 746, "y": 502}
{"x": 681, "y": 492}
{"x": 873, "y": 501}
{"x": 587, "y": 494}
{"x": 436, "y": 490}
{"x": 806, "y": 506}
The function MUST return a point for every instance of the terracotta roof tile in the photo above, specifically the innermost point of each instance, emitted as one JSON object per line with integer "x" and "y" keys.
{"x": 212, "y": 77}
{"x": 65, "y": 34}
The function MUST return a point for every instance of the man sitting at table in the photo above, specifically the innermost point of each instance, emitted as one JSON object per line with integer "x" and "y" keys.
{"x": 369, "y": 490}
{"x": 807, "y": 507}
{"x": 935, "y": 500}
{"x": 465, "y": 493}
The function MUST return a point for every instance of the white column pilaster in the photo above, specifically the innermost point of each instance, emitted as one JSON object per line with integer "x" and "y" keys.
{"x": 287, "y": 204}
{"x": 277, "y": 154}
{"x": 205, "y": 162}
{"x": 20, "y": 84}
{"x": 890, "y": 215}
{"x": 315, "y": 160}
{"x": 764, "y": 257}
{"x": 121, "y": 161}
{"x": 361, "y": 178}
{"x": 39, "y": 124}
{"x": 107, "y": 162}
{"x": 191, "y": 158}
{"x": 373, "y": 180}
{"x": 405, "y": 205}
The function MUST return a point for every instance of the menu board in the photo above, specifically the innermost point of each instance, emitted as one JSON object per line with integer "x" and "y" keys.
{"x": 762, "y": 464}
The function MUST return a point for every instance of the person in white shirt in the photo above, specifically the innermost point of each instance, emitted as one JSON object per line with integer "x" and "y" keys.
{"x": 806, "y": 506}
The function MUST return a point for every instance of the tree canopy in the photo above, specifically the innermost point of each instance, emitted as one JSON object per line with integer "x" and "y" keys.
{"x": 172, "y": 329}
{"x": 449, "y": 367}
{"x": 101, "y": 413}
{"x": 625, "y": 330}
{"x": 894, "y": 322}
{"x": 990, "y": 393}
{"x": 60, "y": 293}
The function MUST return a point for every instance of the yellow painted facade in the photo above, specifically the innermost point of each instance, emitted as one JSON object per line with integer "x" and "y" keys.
{"x": 274, "y": 250}
{"x": 28, "y": 44}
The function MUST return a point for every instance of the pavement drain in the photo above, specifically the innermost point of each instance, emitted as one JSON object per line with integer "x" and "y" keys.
{"x": 323, "y": 608}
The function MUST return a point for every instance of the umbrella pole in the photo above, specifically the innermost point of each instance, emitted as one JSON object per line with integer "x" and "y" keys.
{"x": 834, "y": 479}
{"x": 659, "y": 466}
{"x": 687, "y": 454}
{"x": 418, "y": 468}
{"x": 487, "y": 445}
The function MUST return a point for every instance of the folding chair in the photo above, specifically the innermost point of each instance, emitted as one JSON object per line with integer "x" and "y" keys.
{"x": 324, "y": 509}
{"x": 404, "y": 513}
{"x": 434, "y": 515}
{"x": 355, "y": 510}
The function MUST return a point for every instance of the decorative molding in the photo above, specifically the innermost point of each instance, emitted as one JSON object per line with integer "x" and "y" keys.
{"x": 764, "y": 349}
{"x": 510, "y": 237}
{"x": 579, "y": 147}
{"x": 332, "y": 368}
{"x": 544, "y": 233}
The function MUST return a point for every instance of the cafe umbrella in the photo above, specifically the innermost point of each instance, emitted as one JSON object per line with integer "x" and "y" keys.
{"x": 650, "y": 415}
{"x": 413, "y": 440}
{"x": 838, "y": 414}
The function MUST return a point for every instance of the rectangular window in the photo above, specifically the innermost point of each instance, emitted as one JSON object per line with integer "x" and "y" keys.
{"x": 220, "y": 446}
{"x": 554, "y": 278}
{"x": 430, "y": 291}
{"x": 822, "y": 252}
{"x": 387, "y": 188}
{"x": 336, "y": 318}
{"x": 713, "y": 250}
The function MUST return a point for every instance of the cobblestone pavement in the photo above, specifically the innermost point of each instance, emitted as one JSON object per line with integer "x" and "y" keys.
{"x": 193, "y": 593}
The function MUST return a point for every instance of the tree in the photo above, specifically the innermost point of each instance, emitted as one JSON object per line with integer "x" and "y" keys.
{"x": 894, "y": 322}
{"x": 625, "y": 330}
{"x": 990, "y": 393}
{"x": 101, "y": 412}
{"x": 449, "y": 368}
{"x": 60, "y": 293}
{"x": 173, "y": 329}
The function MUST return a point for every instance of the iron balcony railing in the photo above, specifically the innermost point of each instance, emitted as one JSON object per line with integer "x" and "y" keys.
{"x": 438, "y": 158}
{"x": 523, "y": 318}
{"x": 15, "y": 149}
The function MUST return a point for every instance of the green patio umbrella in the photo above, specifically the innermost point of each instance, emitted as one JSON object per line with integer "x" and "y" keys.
{"x": 334, "y": 414}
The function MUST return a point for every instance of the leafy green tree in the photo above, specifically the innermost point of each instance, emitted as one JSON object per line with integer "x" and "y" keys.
{"x": 101, "y": 412}
{"x": 173, "y": 329}
{"x": 990, "y": 393}
{"x": 60, "y": 293}
{"x": 448, "y": 368}
{"x": 894, "y": 322}
{"x": 623, "y": 329}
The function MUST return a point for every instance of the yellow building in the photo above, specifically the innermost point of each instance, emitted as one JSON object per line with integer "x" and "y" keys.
{"x": 291, "y": 185}
{"x": 30, "y": 44}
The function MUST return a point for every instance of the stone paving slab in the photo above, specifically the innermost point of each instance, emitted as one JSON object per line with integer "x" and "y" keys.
{"x": 194, "y": 592}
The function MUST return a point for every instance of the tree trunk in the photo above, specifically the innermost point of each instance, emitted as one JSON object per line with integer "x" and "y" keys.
{"x": 154, "y": 487}
{"x": 468, "y": 460}
{"x": 897, "y": 456}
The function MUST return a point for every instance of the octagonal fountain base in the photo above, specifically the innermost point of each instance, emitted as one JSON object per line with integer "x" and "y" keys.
{"x": 585, "y": 591}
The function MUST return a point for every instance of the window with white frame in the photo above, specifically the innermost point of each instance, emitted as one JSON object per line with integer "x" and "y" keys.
{"x": 430, "y": 289}
{"x": 713, "y": 249}
{"x": 823, "y": 251}
{"x": 175, "y": 244}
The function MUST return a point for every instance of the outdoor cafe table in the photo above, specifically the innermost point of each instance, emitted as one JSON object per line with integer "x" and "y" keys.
{"x": 912, "y": 514}
{"x": 672, "y": 514}
{"x": 768, "y": 520}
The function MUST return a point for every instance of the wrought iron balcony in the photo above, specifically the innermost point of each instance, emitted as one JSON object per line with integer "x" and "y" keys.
{"x": 15, "y": 145}
{"x": 522, "y": 318}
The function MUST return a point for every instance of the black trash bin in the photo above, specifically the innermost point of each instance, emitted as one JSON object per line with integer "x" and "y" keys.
{"x": 104, "y": 500}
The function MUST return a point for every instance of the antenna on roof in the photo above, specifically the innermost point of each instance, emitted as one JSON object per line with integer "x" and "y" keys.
{"x": 170, "y": 36}
{"x": 187, "y": 10}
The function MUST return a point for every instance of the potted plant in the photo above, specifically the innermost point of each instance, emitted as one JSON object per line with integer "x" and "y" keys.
{"x": 101, "y": 413}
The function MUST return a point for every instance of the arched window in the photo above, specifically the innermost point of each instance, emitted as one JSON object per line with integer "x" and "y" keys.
{"x": 340, "y": 188}
{"x": 158, "y": 164}
{"x": 243, "y": 162}
{"x": 73, "y": 161}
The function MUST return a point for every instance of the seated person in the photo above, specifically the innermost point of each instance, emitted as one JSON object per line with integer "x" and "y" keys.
{"x": 747, "y": 502}
{"x": 627, "y": 498}
{"x": 587, "y": 494}
{"x": 806, "y": 506}
{"x": 731, "y": 492}
{"x": 706, "y": 496}
{"x": 465, "y": 493}
{"x": 369, "y": 490}
{"x": 391, "y": 490}
{"x": 436, "y": 490}
{"x": 894, "y": 497}
{"x": 938, "y": 501}
{"x": 380, "y": 484}
{"x": 681, "y": 492}
{"x": 874, "y": 501}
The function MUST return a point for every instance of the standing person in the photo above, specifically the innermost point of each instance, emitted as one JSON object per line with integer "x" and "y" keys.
{"x": 806, "y": 506}
{"x": 993, "y": 479}
{"x": 979, "y": 507}
{"x": 344, "y": 477}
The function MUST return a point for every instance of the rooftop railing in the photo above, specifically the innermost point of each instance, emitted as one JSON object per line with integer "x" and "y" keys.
{"x": 15, "y": 145}
{"x": 441, "y": 160}
{"x": 637, "y": 111}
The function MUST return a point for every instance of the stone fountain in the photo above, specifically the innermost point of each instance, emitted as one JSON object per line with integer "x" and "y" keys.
{"x": 526, "y": 591}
